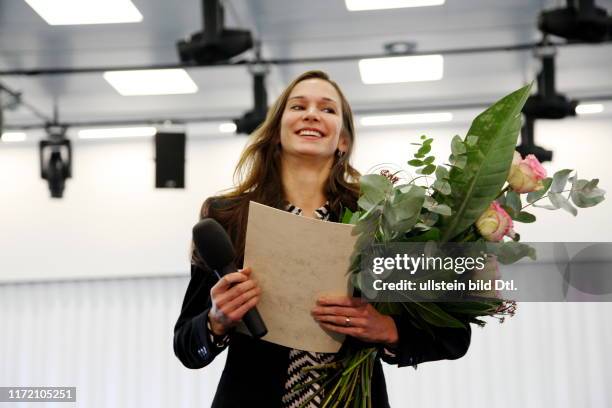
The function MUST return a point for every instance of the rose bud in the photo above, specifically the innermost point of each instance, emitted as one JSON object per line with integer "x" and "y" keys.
{"x": 495, "y": 223}
{"x": 526, "y": 174}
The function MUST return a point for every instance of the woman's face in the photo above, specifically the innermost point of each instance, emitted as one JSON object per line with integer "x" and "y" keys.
{"x": 311, "y": 124}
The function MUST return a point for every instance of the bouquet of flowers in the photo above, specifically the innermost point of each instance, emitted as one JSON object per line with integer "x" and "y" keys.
{"x": 485, "y": 187}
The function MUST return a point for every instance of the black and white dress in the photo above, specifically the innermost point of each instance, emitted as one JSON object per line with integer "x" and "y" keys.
{"x": 299, "y": 359}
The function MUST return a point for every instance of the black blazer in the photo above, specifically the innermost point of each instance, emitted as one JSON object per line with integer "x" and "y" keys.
{"x": 256, "y": 371}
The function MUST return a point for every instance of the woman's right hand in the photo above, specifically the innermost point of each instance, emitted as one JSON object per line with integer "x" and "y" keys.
{"x": 232, "y": 296}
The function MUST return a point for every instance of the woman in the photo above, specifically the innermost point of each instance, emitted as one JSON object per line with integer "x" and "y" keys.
{"x": 298, "y": 160}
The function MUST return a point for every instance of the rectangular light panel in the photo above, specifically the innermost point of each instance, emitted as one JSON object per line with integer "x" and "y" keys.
{"x": 361, "y": 5}
{"x": 111, "y": 133}
{"x": 401, "y": 69}
{"x": 13, "y": 137}
{"x": 387, "y": 120}
{"x": 589, "y": 108}
{"x": 151, "y": 82}
{"x": 74, "y": 12}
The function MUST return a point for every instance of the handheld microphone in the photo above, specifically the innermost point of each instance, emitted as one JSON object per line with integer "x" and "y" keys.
{"x": 215, "y": 247}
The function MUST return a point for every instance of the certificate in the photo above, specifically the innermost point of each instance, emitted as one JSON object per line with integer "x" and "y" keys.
{"x": 295, "y": 260}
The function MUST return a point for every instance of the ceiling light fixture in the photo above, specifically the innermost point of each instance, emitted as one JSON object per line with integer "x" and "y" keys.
{"x": 587, "y": 109}
{"x": 151, "y": 82}
{"x": 13, "y": 137}
{"x": 361, "y": 5}
{"x": 401, "y": 69}
{"x": 228, "y": 127}
{"x": 76, "y": 12}
{"x": 404, "y": 119}
{"x": 111, "y": 133}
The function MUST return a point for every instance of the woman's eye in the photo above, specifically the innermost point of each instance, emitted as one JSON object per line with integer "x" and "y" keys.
{"x": 329, "y": 110}
{"x": 296, "y": 107}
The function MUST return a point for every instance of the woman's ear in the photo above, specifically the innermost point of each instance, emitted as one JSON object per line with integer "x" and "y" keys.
{"x": 343, "y": 143}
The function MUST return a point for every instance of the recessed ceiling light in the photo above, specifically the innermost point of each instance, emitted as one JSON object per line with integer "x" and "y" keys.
{"x": 228, "y": 127}
{"x": 401, "y": 69}
{"x": 71, "y": 12}
{"x": 110, "y": 133}
{"x": 151, "y": 82}
{"x": 13, "y": 137}
{"x": 587, "y": 109}
{"x": 385, "y": 120}
{"x": 360, "y": 5}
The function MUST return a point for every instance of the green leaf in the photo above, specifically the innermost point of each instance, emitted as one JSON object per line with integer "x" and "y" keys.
{"x": 558, "y": 200}
{"x": 471, "y": 140}
{"x": 525, "y": 217}
{"x": 457, "y": 146}
{"x": 441, "y": 173}
{"x": 347, "y": 216}
{"x": 536, "y": 195}
{"x": 426, "y": 148}
{"x": 586, "y": 194}
{"x": 374, "y": 189}
{"x": 435, "y": 316}
{"x": 458, "y": 161}
{"x": 442, "y": 186}
{"x": 560, "y": 180}
{"x": 415, "y": 162}
{"x": 429, "y": 159}
{"x": 511, "y": 252}
{"x": 488, "y": 162}
{"x": 403, "y": 213}
{"x": 513, "y": 200}
{"x": 429, "y": 169}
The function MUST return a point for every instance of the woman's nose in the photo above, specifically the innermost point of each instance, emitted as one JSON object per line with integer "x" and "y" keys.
{"x": 311, "y": 114}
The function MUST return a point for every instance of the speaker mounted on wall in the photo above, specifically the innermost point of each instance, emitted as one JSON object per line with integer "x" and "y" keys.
{"x": 170, "y": 160}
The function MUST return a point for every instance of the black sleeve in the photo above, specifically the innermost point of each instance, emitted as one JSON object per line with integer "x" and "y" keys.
{"x": 417, "y": 346}
{"x": 192, "y": 343}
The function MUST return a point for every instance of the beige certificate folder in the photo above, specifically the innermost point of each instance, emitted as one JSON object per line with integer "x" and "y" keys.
{"x": 296, "y": 259}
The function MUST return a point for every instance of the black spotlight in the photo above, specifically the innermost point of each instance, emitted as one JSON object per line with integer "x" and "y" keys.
{"x": 547, "y": 103}
{"x": 255, "y": 117}
{"x": 528, "y": 145}
{"x": 216, "y": 43}
{"x": 584, "y": 22}
{"x": 55, "y": 156}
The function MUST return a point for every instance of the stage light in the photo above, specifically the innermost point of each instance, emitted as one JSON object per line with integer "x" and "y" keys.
{"x": 360, "y": 5}
{"x": 401, "y": 69}
{"x": 111, "y": 133}
{"x": 55, "y": 156}
{"x": 13, "y": 137}
{"x": 74, "y": 12}
{"x": 151, "y": 82}
{"x": 387, "y": 120}
{"x": 583, "y": 22}
{"x": 588, "y": 109}
{"x": 255, "y": 117}
{"x": 216, "y": 43}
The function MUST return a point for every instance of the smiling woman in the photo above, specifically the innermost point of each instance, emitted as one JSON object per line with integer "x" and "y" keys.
{"x": 297, "y": 160}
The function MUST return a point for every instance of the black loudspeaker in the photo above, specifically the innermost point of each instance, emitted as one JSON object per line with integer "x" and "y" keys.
{"x": 170, "y": 160}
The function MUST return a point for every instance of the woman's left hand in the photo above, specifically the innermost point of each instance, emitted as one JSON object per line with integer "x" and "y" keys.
{"x": 355, "y": 317}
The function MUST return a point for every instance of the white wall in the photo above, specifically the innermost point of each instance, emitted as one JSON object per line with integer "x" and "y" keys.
{"x": 112, "y": 222}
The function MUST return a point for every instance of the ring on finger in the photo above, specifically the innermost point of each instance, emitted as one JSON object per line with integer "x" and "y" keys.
{"x": 347, "y": 321}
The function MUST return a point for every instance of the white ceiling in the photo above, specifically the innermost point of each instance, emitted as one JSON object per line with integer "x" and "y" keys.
{"x": 287, "y": 29}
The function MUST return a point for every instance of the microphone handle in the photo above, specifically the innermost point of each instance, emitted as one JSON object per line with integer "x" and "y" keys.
{"x": 252, "y": 319}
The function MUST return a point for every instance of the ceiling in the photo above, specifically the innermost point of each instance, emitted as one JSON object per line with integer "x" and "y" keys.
{"x": 288, "y": 29}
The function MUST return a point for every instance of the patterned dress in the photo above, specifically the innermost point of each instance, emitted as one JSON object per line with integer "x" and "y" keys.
{"x": 299, "y": 359}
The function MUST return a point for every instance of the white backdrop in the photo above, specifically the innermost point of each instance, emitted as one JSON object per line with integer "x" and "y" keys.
{"x": 111, "y": 337}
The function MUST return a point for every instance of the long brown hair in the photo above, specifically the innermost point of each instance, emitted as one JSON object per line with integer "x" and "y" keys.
{"x": 258, "y": 173}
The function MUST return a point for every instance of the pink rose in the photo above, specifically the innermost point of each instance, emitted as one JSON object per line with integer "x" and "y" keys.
{"x": 495, "y": 223}
{"x": 526, "y": 174}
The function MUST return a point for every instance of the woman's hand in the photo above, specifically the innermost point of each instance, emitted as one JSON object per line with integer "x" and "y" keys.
{"x": 232, "y": 296}
{"x": 355, "y": 317}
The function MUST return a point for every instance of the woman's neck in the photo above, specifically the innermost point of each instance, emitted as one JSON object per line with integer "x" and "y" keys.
{"x": 304, "y": 182}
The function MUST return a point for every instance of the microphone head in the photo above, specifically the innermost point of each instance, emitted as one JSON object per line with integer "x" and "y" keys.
{"x": 213, "y": 243}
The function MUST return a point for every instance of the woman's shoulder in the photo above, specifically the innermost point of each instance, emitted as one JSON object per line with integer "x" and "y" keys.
{"x": 219, "y": 203}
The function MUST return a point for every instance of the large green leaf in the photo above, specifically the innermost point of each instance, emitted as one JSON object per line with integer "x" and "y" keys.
{"x": 488, "y": 161}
